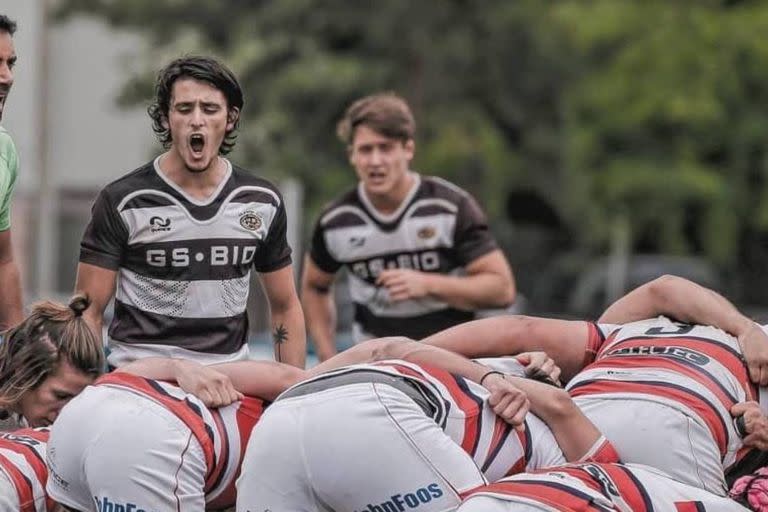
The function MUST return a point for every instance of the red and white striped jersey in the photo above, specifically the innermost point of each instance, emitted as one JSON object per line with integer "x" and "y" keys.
{"x": 223, "y": 433}
{"x": 593, "y": 487}
{"x": 696, "y": 369}
{"x": 462, "y": 411}
{"x": 22, "y": 459}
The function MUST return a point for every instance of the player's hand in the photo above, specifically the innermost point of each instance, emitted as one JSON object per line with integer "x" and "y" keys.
{"x": 755, "y": 424}
{"x": 507, "y": 400}
{"x": 539, "y": 365}
{"x": 754, "y": 347}
{"x": 403, "y": 284}
{"x": 212, "y": 387}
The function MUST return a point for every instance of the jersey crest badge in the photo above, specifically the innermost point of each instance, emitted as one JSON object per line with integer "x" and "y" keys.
{"x": 250, "y": 221}
{"x": 426, "y": 232}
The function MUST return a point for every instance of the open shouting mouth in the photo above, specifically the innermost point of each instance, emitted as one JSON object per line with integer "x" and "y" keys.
{"x": 197, "y": 142}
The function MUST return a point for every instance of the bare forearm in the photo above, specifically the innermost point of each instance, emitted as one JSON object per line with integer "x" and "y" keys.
{"x": 289, "y": 335}
{"x": 397, "y": 347}
{"x": 574, "y": 432}
{"x": 564, "y": 341}
{"x": 157, "y": 368}
{"x": 359, "y": 353}
{"x": 489, "y": 337}
{"x": 680, "y": 299}
{"x": 471, "y": 292}
{"x": 11, "y": 312}
{"x": 320, "y": 311}
{"x": 99, "y": 285}
{"x": 415, "y": 352}
{"x": 95, "y": 321}
{"x": 263, "y": 379}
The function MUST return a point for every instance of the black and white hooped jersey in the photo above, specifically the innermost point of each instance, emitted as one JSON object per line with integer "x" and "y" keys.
{"x": 439, "y": 228}
{"x": 462, "y": 411}
{"x": 591, "y": 487}
{"x": 184, "y": 264}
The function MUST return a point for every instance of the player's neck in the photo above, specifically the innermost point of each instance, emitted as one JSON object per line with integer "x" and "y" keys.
{"x": 200, "y": 184}
{"x": 389, "y": 202}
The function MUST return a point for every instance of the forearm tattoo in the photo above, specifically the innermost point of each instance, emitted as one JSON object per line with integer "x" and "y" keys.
{"x": 279, "y": 336}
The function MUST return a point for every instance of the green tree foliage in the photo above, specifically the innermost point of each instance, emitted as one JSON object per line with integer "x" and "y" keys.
{"x": 484, "y": 87}
{"x": 666, "y": 125}
{"x": 651, "y": 111}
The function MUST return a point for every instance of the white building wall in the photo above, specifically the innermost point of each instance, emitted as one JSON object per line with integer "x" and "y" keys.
{"x": 23, "y": 110}
{"x": 92, "y": 140}
{"x": 71, "y": 136}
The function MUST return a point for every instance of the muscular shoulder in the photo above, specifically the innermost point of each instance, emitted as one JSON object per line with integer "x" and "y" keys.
{"x": 344, "y": 209}
{"x": 249, "y": 186}
{"x": 142, "y": 178}
{"x": 245, "y": 177}
{"x": 439, "y": 188}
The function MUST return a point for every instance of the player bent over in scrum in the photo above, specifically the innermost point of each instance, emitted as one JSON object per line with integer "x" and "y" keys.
{"x": 148, "y": 445}
{"x": 592, "y": 487}
{"x": 420, "y": 430}
{"x": 660, "y": 391}
{"x": 44, "y": 361}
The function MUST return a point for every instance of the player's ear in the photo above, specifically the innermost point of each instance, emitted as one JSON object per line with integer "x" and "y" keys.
{"x": 410, "y": 148}
{"x": 232, "y": 116}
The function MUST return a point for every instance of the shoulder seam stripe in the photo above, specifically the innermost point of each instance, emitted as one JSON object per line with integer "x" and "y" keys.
{"x": 175, "y": 201}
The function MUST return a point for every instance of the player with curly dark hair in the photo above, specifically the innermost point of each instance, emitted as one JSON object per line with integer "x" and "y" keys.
{"x": 184, "y": 231}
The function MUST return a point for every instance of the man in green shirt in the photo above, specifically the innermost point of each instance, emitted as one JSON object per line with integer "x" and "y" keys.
{"x": 10, "y": 282}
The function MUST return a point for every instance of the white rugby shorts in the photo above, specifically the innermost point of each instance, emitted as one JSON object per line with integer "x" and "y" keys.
{"x": 660, "y": 436}
{"x": 111, "y": 448}
{"x": 353, "y": 448}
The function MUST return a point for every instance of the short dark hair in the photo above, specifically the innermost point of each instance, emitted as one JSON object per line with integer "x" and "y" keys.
{"x": 385, "y": 113}
{"x": 7, "y": 24}
{"x": 205, "y": 69}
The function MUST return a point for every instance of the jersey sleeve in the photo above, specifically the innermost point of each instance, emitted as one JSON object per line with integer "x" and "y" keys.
{"x": 106, "y": 235}
{"x": 598, "y": 333}
{"x": 319, "y": 252}
{"x": 275, "y": 253}
{"x": 9, "y": 164}
{"x": 473, "y": 238}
